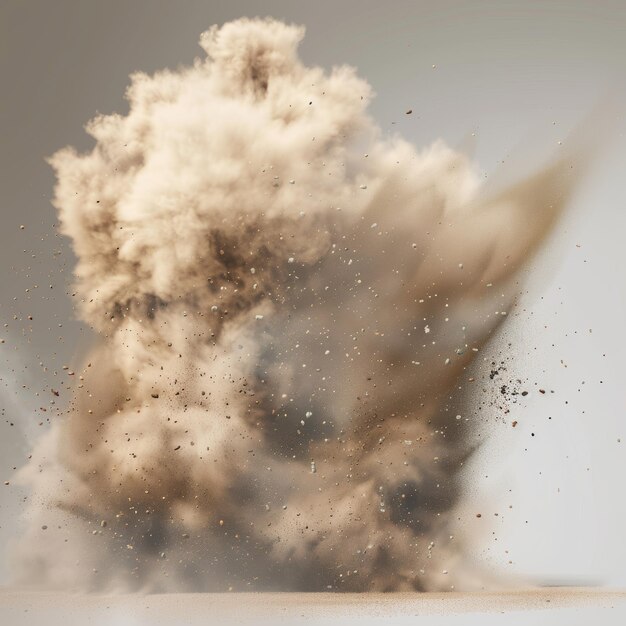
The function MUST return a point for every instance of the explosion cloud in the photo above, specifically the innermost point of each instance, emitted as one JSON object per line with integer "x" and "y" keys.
{"x": 285, "y": 302}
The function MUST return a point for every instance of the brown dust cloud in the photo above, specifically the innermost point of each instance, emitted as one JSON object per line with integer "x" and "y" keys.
{"x": 287, "y": 302}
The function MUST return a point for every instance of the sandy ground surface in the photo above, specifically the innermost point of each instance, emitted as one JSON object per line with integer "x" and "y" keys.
{"x": 567, "y": 606}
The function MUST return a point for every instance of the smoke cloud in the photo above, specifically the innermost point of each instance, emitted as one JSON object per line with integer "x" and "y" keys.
{"x": 286, "y": 302}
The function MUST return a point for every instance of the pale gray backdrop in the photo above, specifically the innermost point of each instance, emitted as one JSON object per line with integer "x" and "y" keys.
{"x": 509, "y": 73}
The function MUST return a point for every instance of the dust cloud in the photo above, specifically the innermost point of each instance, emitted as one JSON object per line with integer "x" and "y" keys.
{"x": 286, "y": 302}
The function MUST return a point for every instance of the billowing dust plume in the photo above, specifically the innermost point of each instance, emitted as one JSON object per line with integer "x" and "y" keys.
{"x": 286, "y": 303}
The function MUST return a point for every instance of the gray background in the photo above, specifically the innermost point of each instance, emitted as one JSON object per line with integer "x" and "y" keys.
{"x": 511, "y": 78}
